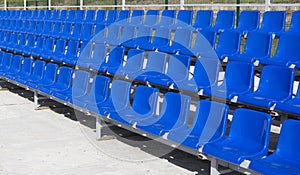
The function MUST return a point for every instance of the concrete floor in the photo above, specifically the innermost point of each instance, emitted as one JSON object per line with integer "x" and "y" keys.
{"x": 56, "y": 141}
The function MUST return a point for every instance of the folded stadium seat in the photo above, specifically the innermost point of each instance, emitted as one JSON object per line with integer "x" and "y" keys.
{"x": 5, "y": 38}
{"x": 90, "y": 17}
{"x": 114, "y": 33}
{"x": 98, "y": 57}
{"x": 25, "y": 72}
{"x": 37, "y": 73}
{"x": 178, "y": 70}
{"x": 38, "y": 48}
{"x": 287, "y": 52}
{"x": 209, "y": 125}
{"x": 48, "y": 77}
{"x": 273, "y": 22}
{"x": 79, "y": 16}
{"x": 28, "y": 14}
{"x": 10, "y": 45}
{"x": 62, "y": 83}
{"x": 173, "y": 114}
{"x": 224, "y": 21}
{"x": 124, "y": 16}
{"x": 241, "y": 143}
{"x": 144, "y": 35}
{"x": 137, "y": 17}
{"x": 204, "y": 77}
{"x": 48, "y": 15}
{"x": 41, "y": 15}
{"x": 6, "y": 60}
{"x": 65, "y": 31}
{"x": 25, "y": 28}
{"x": 161, "y": 38}
{"x": 114, "y": 62}
{"x": 59, "y": 51}
{"x": 31, "y": 39}
{"x": 39, "y": 28}
{"x": 97, "y": 95}
{"x": 151, "y": 18}
{"x": 48, "y": 31}
{"x": 100, "y": 31}
{"x": 128, "y": 33}
{"x": 72, "y": 53}
{"x": 184, "y": 19}
{"x": 10, "y": 64}
{"x": 249, "y": 20}
{"x": 238, "y": 79}
{"x": 285, "y": 159}
{"x": 32, "y": 28}
{"x": 35, "y": 15}
{"x": 275, "y": 86}
{"x": 118, "y": 100}
{"x": 167, "y": 19}
{"x": 48, "y": 48}
{"x": 134, "y": 63}
{"x": 258, "y": 45}
{"x": 294, "y": 25}
{"x": 112, "y": 16}
{"x": 54, "y": 16}
{"x": 143, "y": 106}
{"x": 79, "y": 87}
{"x": 87, "y": 32}
{"x": 182, "y": 41}
{"x": 85, "y": 55}
{"x": 71, "y": 15}
{"x": 290, "y": 106}
{"x": 228, "y": 44}
{"x": 156, "y": 65}
{"x": 1, "y": 57}
{"x": 22, "y": 43}
{"x": 100, "y": 18}
{"x": 75, "y": 34}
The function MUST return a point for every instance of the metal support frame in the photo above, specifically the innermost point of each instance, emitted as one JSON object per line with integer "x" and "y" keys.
{"x": 267, "y": 5}
{"x": 214, "y": 167}
{"x": 100, "y": 124}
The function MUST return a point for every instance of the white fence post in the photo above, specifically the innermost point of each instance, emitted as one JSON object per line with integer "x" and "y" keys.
{"x": 81, "y": 4}
{"x": 5, "y": 5}
{"x": 24, "y": 4}
{"x": 267, "y": 5}
{"x": 49, "y": 4}
{"x": 181, "y": 4}
{"x": 123, "y": 4}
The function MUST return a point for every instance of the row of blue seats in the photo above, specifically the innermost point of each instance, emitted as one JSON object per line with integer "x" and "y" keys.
{"x": 249, "y": 134}
{"x": 274, "y": 90}
{"x": 273, "y": 21}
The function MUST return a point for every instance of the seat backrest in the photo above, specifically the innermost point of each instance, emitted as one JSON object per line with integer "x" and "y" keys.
{"x": 258, "y": 44}
{"x": 7, "y": 60}
{"x": 38, "y": 69}
{"x": 100, "y": 52}
{"x": 114, "y": 32}
{"x": 229, "y": 42}
{"x": 40, "y": 26}
{"x": 57, "y": 28}
{"x": 72, "y": 48}
{"x": 112, "y": 16}
{"x": 288, "y": 142}
{"x": 116, "y": 57}
{"x": 99, "y": 91}
{"x": 67, "y": 28}
{"x": 183, "y": 37}
{"x": 71, "y": 15}
{"x": 22, "y": 41}
{"x": 249, "y": 20}
{"x": 144, "y": 33}
{"x": 30, "y": 41}
{"x": 16, "y": 64}
{"x": 14, "y": 39}
{"x": 135, "y": 60}
{"x": 50, "y": 73}
{"x": 273, "y": 21}
{"x": 178, "y": 67}
{"x": 63, "y": 15}
{"x": 295, "y": 22}
{"x": 77, "y": 30}
{"x": 167, "y": 17}
{"x": 239, "y": 76}
{"x": 210, "y": 120}
{"x": 80, "y": 14}
{"x": 185, "y": 17}
{"x": 41, "y": 14}
{"x": 27, "y": 66}
{"x": 276, "y": 82}
{"x": 40, "y": 41}
{"x": 49, "y": 45}
{"x": 56, "y": 14}
{"x": 128, "y": 33}
{"x": 209, "y": 39}
{"x": 65, "y": 76}
{"x": 87, "y": 32}
{"x": 162, "y": 36}
{"x": 206, "y": 71}
{"x": 120, "y": 94}
{"x": 124, "y": 16}
{"x": 151, "y": 17}
{"x": 101, "y": 16}
{"x": 90, "y": 15}
{"x": 145, "y": 100}
{"x": 80, "y": 83}
{"x": 288, "y": 47}
{"x": 156, "y": 62}
{"x": 225, "y": 19}
{"x": 251, "y": 128}
{"x": 137, "y": 17}
{"x": 48, "y": 14}
{"x": 60, "y": 46}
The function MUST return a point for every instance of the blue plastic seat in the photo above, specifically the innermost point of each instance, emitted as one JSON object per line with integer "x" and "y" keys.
{"x": 37, "y": 73}
{"x": 115, "y": 60}
{"x": 41, "y": 15}
{"x": 55, "y": 15}
{"x": 290, "y": 106}
{"x": 156, "y": 65}
{"x": 85, "y": 56}
{"x": 151, "y": 18}
{"x": 248, "y": 138}
{"x": 40, "y": 28}
{"x": 6, "y": 61}
{"x": 96, "y": 59}
{"x": 118, "y": 100}
{"x": 6, "y": 39}
{"x": 47, "y": 49}
{"x": 10, "y": 45}
{"x": 161, "y": 38}
{"x": 71, "y": 15}
{"x": 167, "y": 19}
{"x": 87, "y": 32}
{"x": 249, "y": 20}
{"x": 128, "y": 33}
{"x": 229, "y": 44}
{"x": 98, "y": 93}
{"x": 178, "y": 70}
{"x": 22, "y": 43}
{"x": 143, "y": 106}
{"x": 101, "y": 16}
{"x": 144, "y": 35}
{"x": 48, "y": 15}
{"x": 62, "y": 83}
{"x": 287, "y": 51}
{"x": 273, "y": 22}
{"x": 182, "y": 41}
{"x": 48, "y": 31}
{"x": 114, "y": 34}
{"x": 258, "y": 45}
{"x": 112, "y": 16}
{"x": 225, "y": 20}
{"x": 174, "y": 114}
{"x": 295, "y": 23}
{"x": 238, "y": 79}
{"x": 59, "y": 51}
{"x": 184, "y": 19}
{"x": 66, "y": 31}
{"x": 80, "y": 16}
{"x": 30, "y": 44}
{"x": 123, "y": 18}
{"x": 204, "y": 77}
{"x": 137, "y": 17}
{"x": 32, "y": 27}
{"x": 48, "y": 77}
{"x": 90, "y": 16}
{"x": 38, "y": 48}
{"x": 134, "y": 63}
{"x": 10, "y": 64}
{"x": 79, "y": 87}
{"x": 275, "y": 86}
{"x": 25, "y": 71}
{"x": 285, "y": 159}
{"x": 76, "y": 32}
{"x": 209, "y": 125}
{"x": 72, "y": 53}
